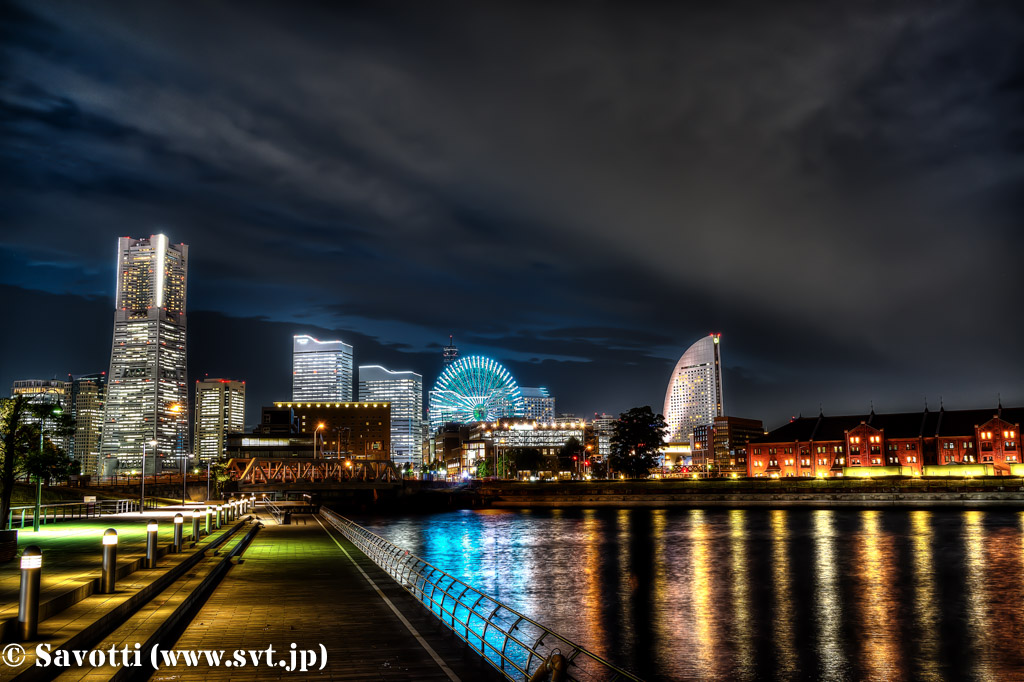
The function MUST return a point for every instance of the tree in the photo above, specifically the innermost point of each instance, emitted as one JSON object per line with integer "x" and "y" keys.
{"x": 636, "y": 439}
{"x": 20, "y": 424}
{"x": 484, "y": 467}
{"x": 524, "y": 459}
{"x": 571, "y": 455}
{"x": 50, "y": 463}
{"x": 17, "y": 438}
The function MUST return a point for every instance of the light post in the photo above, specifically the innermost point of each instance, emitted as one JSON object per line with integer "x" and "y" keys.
{"x": 175, "y": 408}
{"x": 28, "y": 603}
{"x": 57, "y": 410}
{"x": 178, "y": 521}
{"x": 315, "y": 431}
{"x": 151, "y": 530}
{"x": 109, "y": 578}
{"x": 142, "y": 490}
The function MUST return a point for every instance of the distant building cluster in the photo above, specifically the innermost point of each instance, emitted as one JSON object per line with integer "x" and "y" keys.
{"x": 135, "y": 416}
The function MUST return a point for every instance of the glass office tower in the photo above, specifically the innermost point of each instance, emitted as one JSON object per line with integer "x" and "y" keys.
{"x": 404, "y": 390}
{"x": 321, "y": 370}
{"x": 147, "y": 390}
{"x": 220, "y": 410}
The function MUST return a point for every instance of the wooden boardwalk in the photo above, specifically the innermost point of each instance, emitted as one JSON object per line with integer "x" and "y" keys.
{"x": 298, "y": 585}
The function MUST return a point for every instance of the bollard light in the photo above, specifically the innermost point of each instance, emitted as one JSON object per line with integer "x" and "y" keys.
{"x": 151, "y": 531}
{"x": 28, "y": 603}
{"x": 195, "y": 524}
{"x": 178, "y": 521}
{"x": 219, "y": 511}
{"x": 209, "y": 520}
{"x": 108, "y": 581}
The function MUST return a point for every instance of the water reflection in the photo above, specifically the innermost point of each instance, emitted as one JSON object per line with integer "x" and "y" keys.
{"x": 925, "y": 607}
{"x": 829, "y": 610}
{"x": 784, "y": 637}
{"x": 878, "y": 636}
{"x": 724, "y": 594}
{"x": 742, "y": 629}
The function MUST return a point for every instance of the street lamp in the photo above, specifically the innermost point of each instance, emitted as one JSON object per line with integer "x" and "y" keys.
{"x": 175, "y": 408}
{"x": 57, "y": 411}
{"x": 142, "y": 491}
{"x": 315, "y": 431}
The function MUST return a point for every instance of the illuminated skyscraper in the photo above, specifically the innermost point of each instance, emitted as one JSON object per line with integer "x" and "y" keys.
{"x": 87, "y": 395}
{"x": 321, "y": 370}
{"x": 694, "y": 395}
{"x": 147, "y": 393}
{"x": 404, "y": 390}
{"x": 540, "y": 405}
{"x": 220, "y": 410}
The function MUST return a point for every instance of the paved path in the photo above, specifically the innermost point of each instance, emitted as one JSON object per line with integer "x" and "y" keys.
{"x": 296, "y": 585}
{"x": 72, "y": 551}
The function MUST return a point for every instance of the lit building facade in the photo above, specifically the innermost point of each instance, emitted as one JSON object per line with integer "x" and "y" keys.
{"x": 943, "y": 443}
{"x": 509, "y": 434}
{"x": 321, "y": 370}
{"x": 147, "y": 390}
{"x": 540, "y": 405}
{"x": 604, "y": 426}
{"x": 86, "y": 397}
{"x": 730, "y": 437}
{"x": 694, "y": 396}
{"x": 220, "y": 410}
{"x": 404, "y": 391}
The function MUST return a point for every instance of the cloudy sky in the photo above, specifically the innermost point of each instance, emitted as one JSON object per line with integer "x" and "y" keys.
{"x": 580, "y": 190}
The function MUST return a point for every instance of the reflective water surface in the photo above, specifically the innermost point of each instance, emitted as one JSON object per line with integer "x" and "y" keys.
{"x": 750, "y": 594}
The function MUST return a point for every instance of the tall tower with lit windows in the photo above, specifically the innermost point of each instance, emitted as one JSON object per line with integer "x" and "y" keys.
{"x": 321, "y": 370}
{"x": 694, "y": 396}
{"x": 220, "y": 410}
{"x": 147, "y": 391}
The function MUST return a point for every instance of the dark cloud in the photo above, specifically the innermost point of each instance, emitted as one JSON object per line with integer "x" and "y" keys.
{"x": 580, "y": 189}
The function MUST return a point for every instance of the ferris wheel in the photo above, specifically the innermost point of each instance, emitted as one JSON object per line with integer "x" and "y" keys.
{"x": 472, "y": 389}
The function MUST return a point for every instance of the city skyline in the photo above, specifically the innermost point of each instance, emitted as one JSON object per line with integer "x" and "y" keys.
{"x": 597, "y": 203}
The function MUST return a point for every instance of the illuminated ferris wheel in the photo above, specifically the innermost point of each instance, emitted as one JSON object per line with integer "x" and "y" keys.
{"x": 472, "y": 389}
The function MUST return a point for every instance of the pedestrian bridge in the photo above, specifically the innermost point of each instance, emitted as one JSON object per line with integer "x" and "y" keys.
{"x": 257, "y": 472}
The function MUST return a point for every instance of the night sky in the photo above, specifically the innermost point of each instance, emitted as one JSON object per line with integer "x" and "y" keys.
{"x": 579, "y": 190}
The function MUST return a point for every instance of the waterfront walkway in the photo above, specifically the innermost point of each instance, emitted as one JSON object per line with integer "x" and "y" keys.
{"x": 307, "y": 585}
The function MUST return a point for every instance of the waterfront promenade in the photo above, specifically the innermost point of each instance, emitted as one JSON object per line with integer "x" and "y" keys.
{"x": 306, "y": 584}
{"x": 300, "y": 583}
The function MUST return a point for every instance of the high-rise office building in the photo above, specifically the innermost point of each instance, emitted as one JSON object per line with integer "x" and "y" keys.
{"x": 604, "y": 427}
{"x": 404, "y": 390}
{"x": 694, "y": 395}
{"x": 450, "y": 353}
{"x": 86, "y": 398}
{"x": 321, "y": 370}
{"x": 220, "y": 410}
{"x": 540, "y": 405}
{"x": 147, "y": 390}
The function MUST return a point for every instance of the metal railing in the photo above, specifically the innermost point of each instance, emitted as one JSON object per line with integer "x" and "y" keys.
{"x": 21, "y": 516}
{"x": 276, "y": 511}
{"x": 511, "y": 642}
